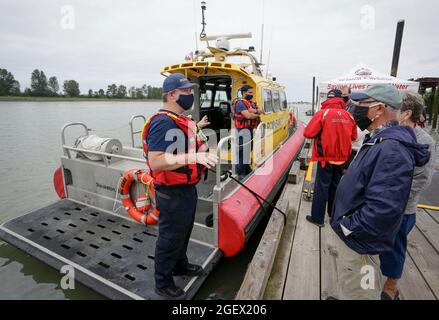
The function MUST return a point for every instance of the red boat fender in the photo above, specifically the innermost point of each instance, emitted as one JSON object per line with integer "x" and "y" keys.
{"x": 237, "y": 211}
{"x": 59, "y": 183}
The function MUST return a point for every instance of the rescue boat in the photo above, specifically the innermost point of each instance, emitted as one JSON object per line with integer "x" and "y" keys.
{"x": 90, "y": 229}
{"x": 278, "y": 138}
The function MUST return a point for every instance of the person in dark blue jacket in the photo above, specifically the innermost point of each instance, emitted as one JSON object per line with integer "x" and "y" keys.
{"x": 371, "y": 198}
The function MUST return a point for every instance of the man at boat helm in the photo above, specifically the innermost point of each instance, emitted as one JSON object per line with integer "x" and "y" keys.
{"x": 372, "y": 196}
{"x": 246, "y": 119}
{"x": 178, "y": 159}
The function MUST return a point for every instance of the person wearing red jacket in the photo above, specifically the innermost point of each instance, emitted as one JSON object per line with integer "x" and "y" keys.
{"x": 333, "y": 130}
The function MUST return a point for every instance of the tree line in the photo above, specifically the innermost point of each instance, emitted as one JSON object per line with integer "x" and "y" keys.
{"x": 43, "y": 87}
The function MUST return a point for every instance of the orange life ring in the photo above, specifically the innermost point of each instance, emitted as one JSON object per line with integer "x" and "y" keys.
{"x": 141, "y": 210}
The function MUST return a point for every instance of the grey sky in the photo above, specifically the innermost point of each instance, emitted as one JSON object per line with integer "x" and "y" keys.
{"x": 128, "y": 42}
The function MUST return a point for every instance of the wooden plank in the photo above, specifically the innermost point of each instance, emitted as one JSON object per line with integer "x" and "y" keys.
{"x": 412, "y": 285}
{"x": 429, "y": 228}
{"x": 276, "y": 281}
{"x": 303, "y": 158}
{"x": 293, "y": 176}
{"x": 258, "y": 272}
{"x": 426, "y": 259}
{"x": 303, "y": 278}
{"x": 330, "y": 285}
{"x": 434, "y": 214}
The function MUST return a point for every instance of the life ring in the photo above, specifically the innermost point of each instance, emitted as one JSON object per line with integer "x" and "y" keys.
{"x": 141, "y": 211}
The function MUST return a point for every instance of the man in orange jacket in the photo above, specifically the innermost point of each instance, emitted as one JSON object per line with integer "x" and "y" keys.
{"x": 333, "y": 130}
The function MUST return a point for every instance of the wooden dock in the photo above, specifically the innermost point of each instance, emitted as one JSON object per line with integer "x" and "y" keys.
{"x": 300, "y": 263}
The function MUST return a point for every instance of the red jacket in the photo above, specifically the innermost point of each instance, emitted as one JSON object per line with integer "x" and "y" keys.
{"x": 333, "y": 130}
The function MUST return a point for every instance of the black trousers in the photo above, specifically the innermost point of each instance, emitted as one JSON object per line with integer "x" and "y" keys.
{"x": 245, "y": 146}
{"x": 177, "y": 215}
{"x": 327, "y": 180}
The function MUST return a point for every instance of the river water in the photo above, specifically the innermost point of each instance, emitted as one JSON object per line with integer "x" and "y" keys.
{"x": 30, "y": 140}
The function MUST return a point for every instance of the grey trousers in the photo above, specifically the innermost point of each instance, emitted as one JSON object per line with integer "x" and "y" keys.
{"x": 359, "y": 275}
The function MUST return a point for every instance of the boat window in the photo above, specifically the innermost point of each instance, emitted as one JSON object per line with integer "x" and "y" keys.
{"x": 268, "y": 104}
{"x": 283, "y": 100}
{"x": 276, "y": 101}
{"x": 220, "y": 96}
{"x": 206, "y": 99}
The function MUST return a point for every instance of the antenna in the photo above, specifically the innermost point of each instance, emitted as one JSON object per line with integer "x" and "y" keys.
{"x": 203, "y": 21}
{"x": 268, "y": 62}
{"x": 262, "y": 42}
{"x": 262, "y": 31}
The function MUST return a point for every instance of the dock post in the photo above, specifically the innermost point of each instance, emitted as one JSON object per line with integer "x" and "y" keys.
{"x": 397, "y": 47}
{"x": 430, "y": 103}
{"x": 313, "y": 93}
{"x": 435, "y": 109}
{"x": 317, "y": 98}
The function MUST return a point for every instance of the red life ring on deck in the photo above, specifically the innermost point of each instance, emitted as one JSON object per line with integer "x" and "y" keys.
{"x": 141, "y": 212}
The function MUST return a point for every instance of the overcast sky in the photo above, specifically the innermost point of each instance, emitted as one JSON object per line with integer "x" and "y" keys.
{"x": 128, "y": 42}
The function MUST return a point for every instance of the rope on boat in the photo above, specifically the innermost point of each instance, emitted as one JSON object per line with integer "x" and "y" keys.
{"x": 228, "y": 174}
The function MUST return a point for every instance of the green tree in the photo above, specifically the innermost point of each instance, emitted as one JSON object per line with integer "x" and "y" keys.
{"x": 53, "y": 85}
{"x": 71, "y": 88}
{"x": 121, "y": 92}
{"x": 38, "y": 84}
{"x": 101, "y": 93}
{"x": 132, "y": 92}
{"x": 140, "y": 93}
{"x": 8, "y": 85}
{"x": 90, "y": 93}
{"x": 112, "y": 91}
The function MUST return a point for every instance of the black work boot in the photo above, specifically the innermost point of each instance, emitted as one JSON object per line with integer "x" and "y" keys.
{"x": 171, "y": 293}
{"x": 190, "y": 270}
{"x": 310, "y": 219}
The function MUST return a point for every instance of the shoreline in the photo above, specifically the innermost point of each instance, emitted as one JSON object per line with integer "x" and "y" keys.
{"x": 71, "y": 99}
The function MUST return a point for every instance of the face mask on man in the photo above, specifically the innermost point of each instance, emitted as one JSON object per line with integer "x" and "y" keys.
{"x": 346, "y": 99}
{"x": 186, "y": 101}
{"x": 361, "y": 116}
{"x": 249, "y": 97}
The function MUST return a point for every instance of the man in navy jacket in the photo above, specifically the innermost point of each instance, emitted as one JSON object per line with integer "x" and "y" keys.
{"x": 372, "y": 196}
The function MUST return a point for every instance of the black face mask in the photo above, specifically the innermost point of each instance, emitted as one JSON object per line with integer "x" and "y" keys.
{"x": 186, "y": 101}
{"x": 346, "y": 99}
{"x": 361, "y": 118}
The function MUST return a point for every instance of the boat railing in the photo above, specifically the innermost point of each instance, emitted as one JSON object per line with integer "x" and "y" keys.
{"x": 219, "y": 175}
{"x": 260, "y": 129}
{"x": 105, "y": 155}
{"x": 132, "y": 128}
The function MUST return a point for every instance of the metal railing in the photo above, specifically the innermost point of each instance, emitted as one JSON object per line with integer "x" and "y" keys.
{"x": 218, "y": 153}
{"x": 105, "y": 155}
{"x": 63, "y": 136}
{"x": 132, "y": 128}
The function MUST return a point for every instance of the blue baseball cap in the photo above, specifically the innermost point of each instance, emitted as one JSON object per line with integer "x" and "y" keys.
{"x": 385, "y": 93}
{"x": 177, "y": 81}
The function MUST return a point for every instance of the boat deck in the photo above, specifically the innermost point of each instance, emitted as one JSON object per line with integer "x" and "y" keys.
{"x": 305, "y": 266}
{"x": 111, "y": 255}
